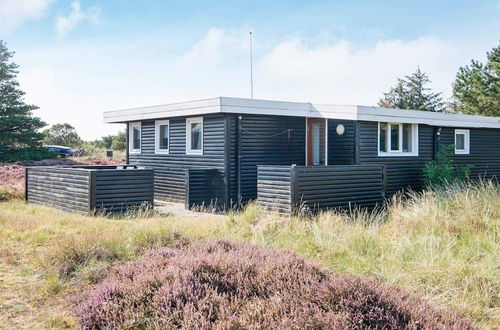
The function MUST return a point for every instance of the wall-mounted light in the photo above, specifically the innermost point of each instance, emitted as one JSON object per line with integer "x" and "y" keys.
{"x": 340, "y": 129}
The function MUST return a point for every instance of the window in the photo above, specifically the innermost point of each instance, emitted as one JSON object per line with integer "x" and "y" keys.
{"x": 462, "y": 141}
{"x": 394, "y": 138}
{"x": 194, "y": 136}
{"x": 397, "y": 139}
{"x": 134, "y": 138}
{"x": 407, "y": 137}
{"x": 162, "y": 137}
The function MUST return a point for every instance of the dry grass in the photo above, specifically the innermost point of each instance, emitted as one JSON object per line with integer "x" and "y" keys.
{"x": 443, "y": 245}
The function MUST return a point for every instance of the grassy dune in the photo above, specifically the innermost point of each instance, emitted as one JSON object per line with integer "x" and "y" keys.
{"x": 443, "y": 245}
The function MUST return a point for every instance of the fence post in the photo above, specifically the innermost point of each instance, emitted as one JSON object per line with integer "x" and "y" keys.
{"x": 293, "y": 189}
{"x": 92, "y": 192}
{"x": 26, "y": 183}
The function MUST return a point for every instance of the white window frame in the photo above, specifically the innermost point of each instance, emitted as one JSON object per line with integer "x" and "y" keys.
{"x": 399, "y": 152}
{"x": 466, "y": 134}
{"x": 159, "y": 123}
{"x": 131, "y": 127}
{"x": 190, "y": 121}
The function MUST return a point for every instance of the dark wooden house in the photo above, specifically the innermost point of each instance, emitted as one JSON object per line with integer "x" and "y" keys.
{"x": 210, "y": 150}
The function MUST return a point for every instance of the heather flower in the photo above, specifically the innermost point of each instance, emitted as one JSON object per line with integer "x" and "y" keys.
{"x": 227, "y": 285}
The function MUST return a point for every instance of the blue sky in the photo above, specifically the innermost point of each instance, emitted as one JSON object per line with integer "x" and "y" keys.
{"x": 79, "y": 58}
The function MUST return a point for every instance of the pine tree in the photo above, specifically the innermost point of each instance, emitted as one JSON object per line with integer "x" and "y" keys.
{"x": 476, "y": 89}
{"x": 411, "y": 93}
{"x": 18, "y": 127}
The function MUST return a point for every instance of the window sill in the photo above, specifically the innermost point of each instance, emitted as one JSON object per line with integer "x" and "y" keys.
{"x": 398, "y": 154}
{"x": 135, "y": 151}
{"x": 194, "y": 152}
{"x": 462, "y": 152}
{"x": 162, "y": 152}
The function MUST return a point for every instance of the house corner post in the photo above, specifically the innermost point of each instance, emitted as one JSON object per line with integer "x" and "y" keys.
{"x": 239, "y": 156}
{"x": 186, "y": 198}
{"x": 384, "y": 180}
{"x": 127, "y": 156}
{"x": 227, "y": 160}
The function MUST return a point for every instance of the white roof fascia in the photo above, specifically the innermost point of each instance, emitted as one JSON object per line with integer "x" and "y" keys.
{"x": 281, "y": 108}
{"x": 163, "y": 111}
{"x": 426, "y": 117}
{"x": 342, "y": 112}
{"x": 264, "y": 107}
{"x": 299, "y": 109}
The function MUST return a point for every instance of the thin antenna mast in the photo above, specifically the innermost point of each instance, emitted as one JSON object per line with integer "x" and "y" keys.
{"x": 251, "y": 67}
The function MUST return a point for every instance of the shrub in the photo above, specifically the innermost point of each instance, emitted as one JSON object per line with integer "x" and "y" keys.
{"x": 219, "y": 284}
{"x": 26, "y": 154}
{"x": 443, "y": 170}
{"x": 11, "y": 182}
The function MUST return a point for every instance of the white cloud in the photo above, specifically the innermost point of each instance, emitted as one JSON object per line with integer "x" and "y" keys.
{"x": 76, "y": 81}
{"x": 13, "y": 13}
{"x": 64, "y": 24}
{"x": 214, "y": 48}
{"x": 336, "y": 73}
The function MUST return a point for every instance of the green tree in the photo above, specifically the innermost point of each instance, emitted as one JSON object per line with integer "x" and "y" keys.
{"x": 119, "y": 141}
{"x": 19, "y": 129}
{"x": 476, "y": 89}
{"x": 107, "y": 141}
{"x": 411, "y": 93}
{"x": 62, "y": 134}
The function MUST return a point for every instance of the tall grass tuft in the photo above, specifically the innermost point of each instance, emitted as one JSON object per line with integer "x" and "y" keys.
{"x": 443, "y": 245}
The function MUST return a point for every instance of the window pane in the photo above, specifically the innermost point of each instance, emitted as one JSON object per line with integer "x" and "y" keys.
{"x": 383, "y": 137}
{"x": 394, "y": 137}
{"x": 136, "y": 143}
{"x": 196, "y": 136}
{"x": 407, "y": 138}
{"x": 460, "y": 141}
{"x": 163, "y": 137}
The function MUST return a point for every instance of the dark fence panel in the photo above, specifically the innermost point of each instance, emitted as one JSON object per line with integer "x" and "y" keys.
{"x": 117, "y": 191}
{"x": 67, "y": 189}
{"x": 293, "y": 189}
{"x": 339, "y": 187}
{"x": 274, "y": 187}
{"x": 205, "y": 188}
{"x": 90, "y": 189}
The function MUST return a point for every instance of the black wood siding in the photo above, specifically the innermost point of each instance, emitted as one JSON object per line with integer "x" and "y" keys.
{"x": 269, "y": 140}
{"x": 341, "y": 148}
{"x": 232, "y": 161}
{"x": 170, "y": 179}
{"x": 402, "y": 172}
{"x": 484, "y": 150}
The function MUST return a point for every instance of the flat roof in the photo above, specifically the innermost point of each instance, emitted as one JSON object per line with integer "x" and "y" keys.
{"x": 298, "y": 109}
